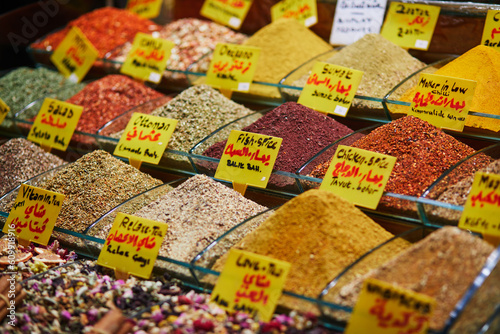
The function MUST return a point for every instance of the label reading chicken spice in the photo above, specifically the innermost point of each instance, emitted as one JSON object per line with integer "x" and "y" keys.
{"x": 443, "y": 101}
{"x": 248, "y": 158}
{"x": 305, "y": 11}
{"x": 132, "y": 245}
{"x": 145, "y": 8}
{"x": 491, "y": 31}
{"x": 231, "y": 13}
{"x": 55, "y": 124}
{"x": 330, "y": 88}
{"x": 482, "y": 208}
{"x": 386, "y": 309}
{"x": 410, "y": 25}
{"x": 233, "y": 67}
{"x": 145, "y": 138}
{"x": 250, "y": 283}
{"x": 34, "y": 214}
{"x": 4, "y": 110}
{"x": 75, "y": 55}
{"x": 147, "y": 60}
{"x": 359, "y": 176}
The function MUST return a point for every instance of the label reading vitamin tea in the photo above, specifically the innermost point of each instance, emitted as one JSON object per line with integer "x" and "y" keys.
{"x": 305, "y": 11}
{"x": 4, "y": 110}
{"x": 145, "y": 8}
{"x": 231, "y": 13}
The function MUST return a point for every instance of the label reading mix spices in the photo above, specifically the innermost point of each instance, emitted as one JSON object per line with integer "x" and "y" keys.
{"x": 4, "y": 110}
{"x": 132, "y": 245}
{"x": 305, "y": 11}
{"x": 233, "y": 67}
{"x": 482, "y": 208}
{"x": 330, "y": 88}
{"x": 491, "y": 31}
{"x": 75, "y": 55}
{"x": 248, "y": 158}
{"x": 359, "y": 176}
{"x": 227, "y": 12}
{"x": 34, "y": 214}
{"x": 145, "y": 138}
{"x": 410, "y": 25}
{"x": 250, "y": 283}
{"x": 55, "y": 124}
{"x": 443, "y": 101}
{"x": 385, "y": 309}
{"x": 145, "y": 8}
{"x": 147, "y": 60}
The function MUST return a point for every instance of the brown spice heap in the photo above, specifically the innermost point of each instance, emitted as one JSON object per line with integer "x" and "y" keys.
{"x": 442, "y": 266}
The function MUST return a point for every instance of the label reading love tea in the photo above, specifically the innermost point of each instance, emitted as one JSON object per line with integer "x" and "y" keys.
{"x": 145, "y": 8}
{"x": 147, "y": 60}
{"x": 305, "y": 11}
{"x": 248, "y": 158}
{"x": 75, "y": 55}
{"x": 410, "y": 25}
{"x": 482, "y": 208}
{"x": 385, "y": 309}
{"x": 250, "y": 283}
{"x": 34, "y": 214}
{"x": 55, "y": 124}
{"x": 330, "y": 88}
{"x": 227, "y": 12}
{"x": 491, "y": 31}
{"x": 359, "y": 176}
{"x": 443, "y": 101}
{"x": 4, "y": 110}
{"x": 132, "y": 245}
{"x": 145, "y": 138}
{"x": 232, "y": 67}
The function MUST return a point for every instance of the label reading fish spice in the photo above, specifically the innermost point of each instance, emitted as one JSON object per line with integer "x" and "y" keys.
{"x": 4, "y": 110}
{"x": 132, "y": 245}
{"x": 491, "y": 31}
{"x": 145, "y": 138}
{"x": 145, "y": 8}
{"x": 305, "y": 11}
{"x": 230, "y": 13}
{"x": 55, "y": 124}
{"x": 147, "y": 59}
{"x": 443, "y": 101}
{"x": 250, "y": 283}
{"x": 482, "y": 208}
{"x": 233, "y": 67}
{"x": 34, "y": 214}
{"x": 75, "y": 55}
{"x": 359, "y": 176}
{"x": 330, "y": 88}
{"x": 410, "y": 25}
{"x": 386, "y": 309}
{"x": 248, "y": 158}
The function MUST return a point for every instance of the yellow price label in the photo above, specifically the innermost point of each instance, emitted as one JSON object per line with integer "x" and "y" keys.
{"x": 443, "y": 101}
{"x": 491, "y": 31}
{"x": 147, "y": 60}
{"x": 410, "y": 25}
{"x": 231, "y": 13}
{"x": 386, "y": 309}
{"x": 145, "y": 138}
{"x": 359, "y": 176}
{"x": 233, "y": 67}
{"x": 132, "y": 245}
{"x": 248, "y": 158}
{"x": 145, "y": 8}
{"x": 305, "y": 11}
{"x": 4, "y": 110}
{"x": 482, "y": 208}
{"x": 55, "y": 124}
{"x": 330, "y": 88}
{"x": 75, "y": 55}
{"x": 250, "y": 283}
{"x": 34, "y": 214}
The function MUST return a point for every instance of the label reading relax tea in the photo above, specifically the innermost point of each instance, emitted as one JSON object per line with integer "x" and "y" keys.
{"x": 305, "y": 11}
{"x": 330, "y": 88}
{"x": 491, "y": 31}
{"x": 145, "y": 8}
{"x": 231, "y": 13}
{"x": 359, "y": 176}
{"x": 4, "y": 110}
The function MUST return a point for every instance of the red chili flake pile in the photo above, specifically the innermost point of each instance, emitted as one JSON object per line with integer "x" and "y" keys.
{"x": 106, "y": 28}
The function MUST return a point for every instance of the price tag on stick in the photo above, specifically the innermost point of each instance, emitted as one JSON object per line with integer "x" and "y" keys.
{"x": 250, "y": 283}
{"x": 359, "y": 176}
{"x": 4, "y": 110}
{"x": 34, "y": 215}
{"x": 145, "y": 8}
{"x": 330, "y": 88}
{"x": 230, "y": 13}
{"x": 305, "y": 11}
{"x": 491, "y": 31}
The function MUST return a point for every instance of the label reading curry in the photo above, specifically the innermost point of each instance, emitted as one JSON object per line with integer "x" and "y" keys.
{"x": 231, "y": 13}
{"x": 145, "y": 8}
{"x": 359, "y": 176}
{"x": 34, "y": 214}
{"x": 250, "y": 283}
{"x": 305, "y": 11}
{"x": 4, "y": 110}
{"x": 330, "y": 88}
{"x": 491, "y": 31}
{"x": 132, "y": 245}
